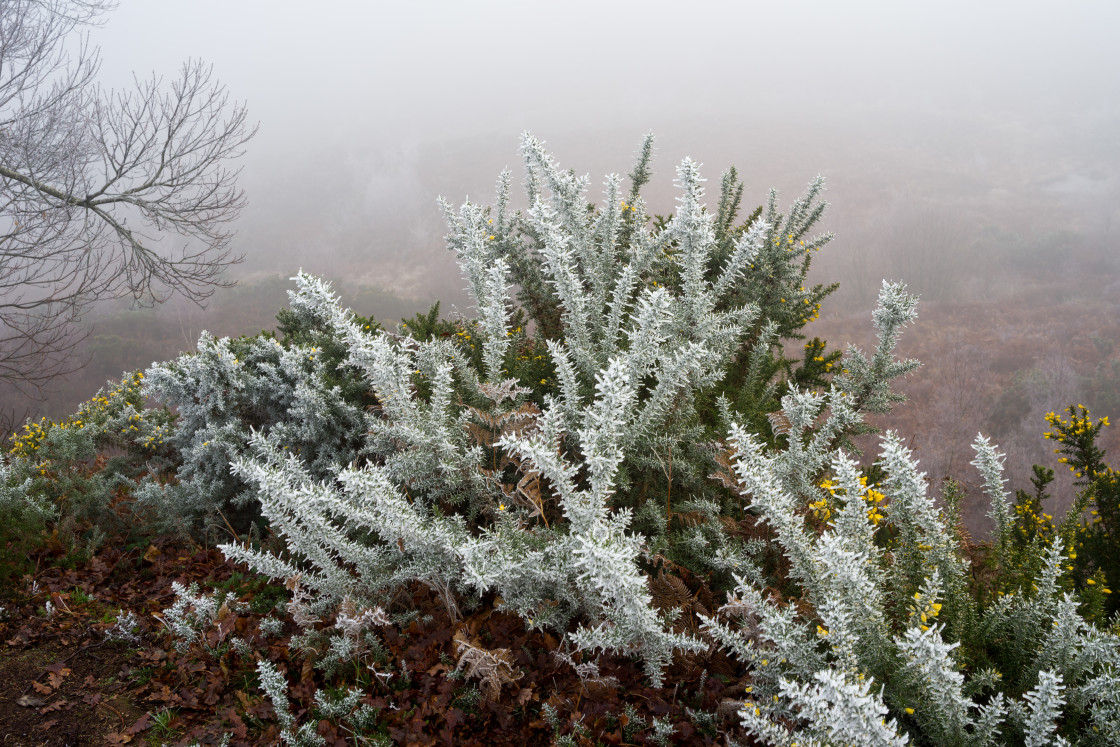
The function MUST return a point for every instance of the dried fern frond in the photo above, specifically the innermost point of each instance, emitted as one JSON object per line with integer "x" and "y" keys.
{"x": 493, "y": 668}
{"x": 671, "y": 592}
{"x": 480, "y": 434}
{"x": 779, "y": 423}
{"x": 353, "y": 620}
{"x": 737, "y": 606}
{"x": 588, "y": 672}
{"x": 516, "y": 422}
{"x": 298, "y": 607}
{"x": 503, "y": 390}
{"x": 528, "y": 493}
{"x": 725, "y": 475}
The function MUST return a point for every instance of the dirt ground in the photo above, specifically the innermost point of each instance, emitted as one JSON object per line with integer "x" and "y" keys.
{"x": 64, "y": 680}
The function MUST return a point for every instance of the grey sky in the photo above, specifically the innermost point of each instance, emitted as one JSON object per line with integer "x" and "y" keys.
{"x": 369, "y": 109}
{"x": 452, "y": 69}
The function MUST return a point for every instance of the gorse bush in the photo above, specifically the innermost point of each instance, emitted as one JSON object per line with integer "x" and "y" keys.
{"x": 292, "y": 386}
{"x": 58, "y": 457}
{"x": 650, "y": 321}
{"x": 883, "y": 623}
{"x": 232, "y": 387}
{"x": 81, "y": 472}
{"x": 66, "y": 486}
{"x": 1090, "y": 531}
{"x": 624, "y": 404}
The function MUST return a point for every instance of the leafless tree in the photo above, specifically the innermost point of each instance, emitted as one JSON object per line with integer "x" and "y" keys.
{"x": 103, "y": 194}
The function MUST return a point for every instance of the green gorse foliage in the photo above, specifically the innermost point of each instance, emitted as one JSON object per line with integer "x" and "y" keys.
{"x": 71, "y": 471}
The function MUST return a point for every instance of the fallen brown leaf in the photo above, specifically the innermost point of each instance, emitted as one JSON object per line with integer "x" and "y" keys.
{"x": 58, "y": 668}
{"x": 55, "y": 678}
{"x": 142, "y": 723}
{"x": 54, "y": 706}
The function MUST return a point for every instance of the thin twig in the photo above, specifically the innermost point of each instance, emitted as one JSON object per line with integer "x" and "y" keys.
{"x": 230, "y": 528}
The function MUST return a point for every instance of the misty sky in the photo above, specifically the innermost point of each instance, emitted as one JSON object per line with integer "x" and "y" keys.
{"x": 368, "y": 110}
{"x": 460, "y": 68}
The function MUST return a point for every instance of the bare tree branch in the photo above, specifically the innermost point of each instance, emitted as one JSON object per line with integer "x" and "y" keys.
{"x": 103, "y": 194}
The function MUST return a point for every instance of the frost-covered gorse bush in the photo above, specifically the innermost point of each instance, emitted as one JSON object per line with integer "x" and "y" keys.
{"x": 230, "y": 388}
{"x": 650, "y": 320}
{"x": 884, "y": 608}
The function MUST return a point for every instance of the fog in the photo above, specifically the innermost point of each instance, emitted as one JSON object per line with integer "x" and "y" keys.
{"x": 367, "y": 111}
{"x": 970, "y": 149}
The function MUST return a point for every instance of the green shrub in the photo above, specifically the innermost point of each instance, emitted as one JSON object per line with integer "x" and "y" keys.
{"x": 81, "y": 471}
